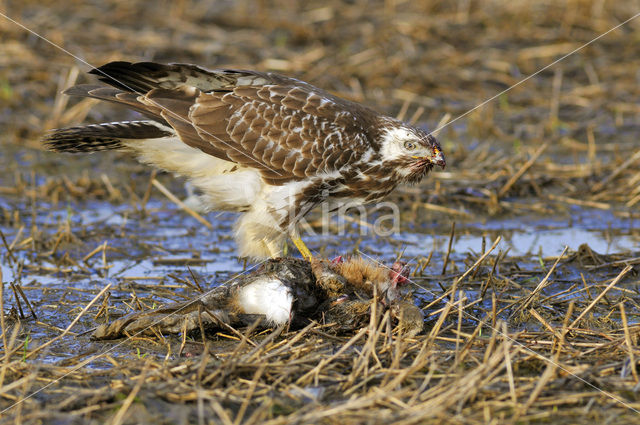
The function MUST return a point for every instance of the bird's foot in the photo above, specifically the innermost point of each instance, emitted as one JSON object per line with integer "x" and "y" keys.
{"x": 306, "y": 254}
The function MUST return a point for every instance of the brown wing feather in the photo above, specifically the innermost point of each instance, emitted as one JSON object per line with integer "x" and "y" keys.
{"x": 293, "y": 132}
{"x": 142, "y": 77}
{"x": 111, "y": 94}
{"x": 285, "y": 128}
{"x": 174, "y": 105}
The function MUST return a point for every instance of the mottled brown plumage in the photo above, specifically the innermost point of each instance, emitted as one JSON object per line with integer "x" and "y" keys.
{"x": 256, "y": 142}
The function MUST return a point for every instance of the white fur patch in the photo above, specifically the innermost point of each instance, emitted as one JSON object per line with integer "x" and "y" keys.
{"x": 268, "y": 296}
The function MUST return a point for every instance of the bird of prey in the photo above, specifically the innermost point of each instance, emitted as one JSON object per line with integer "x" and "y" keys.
{"x": 259, "y": 143}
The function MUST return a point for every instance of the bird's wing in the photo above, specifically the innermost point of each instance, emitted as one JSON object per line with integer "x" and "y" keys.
{"x": 287, "y": 129}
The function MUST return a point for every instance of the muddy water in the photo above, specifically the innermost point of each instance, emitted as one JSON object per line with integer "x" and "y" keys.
{"x": 148, "y": 251}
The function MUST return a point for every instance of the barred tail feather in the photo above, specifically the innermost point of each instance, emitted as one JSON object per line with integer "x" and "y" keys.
{"x": 71, "y": 140}
{"x": 102, "y": 137}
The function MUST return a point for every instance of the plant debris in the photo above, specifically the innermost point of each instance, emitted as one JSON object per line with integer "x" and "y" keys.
{"x": 523, "y": 330}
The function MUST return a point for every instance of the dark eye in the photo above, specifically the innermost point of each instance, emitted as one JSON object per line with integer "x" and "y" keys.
{"x": 409, "y": 145}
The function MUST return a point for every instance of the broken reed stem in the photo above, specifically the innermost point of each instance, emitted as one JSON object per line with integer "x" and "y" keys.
{"x": 298, "y": 336}
{"x": 446, "y": 210}
{"x": 446, "y": 257}
{"x": 522, "y": 170}
{"x": 546, "y": 324}
{"x": 12, "y": 259}
{"x": 247, "y": 399}
{"x": 17, "y": 299}
{"x": 147, "y": 192}
{"x": 2, "y": 326}
{"x": 416, "y": 115}
{"x": 599, "y": 297}
{"x": 304, "y": 379}
{"x": 543, "y": 284}
{"x": 580, "y": 202}
{"x": 555, "y": 97}
{"x": 257, "y": 351}
{"x": 97, "y": 249}
{"x": 436, "y": 328}
{"x": 627, "y": 339}
{"x": 465, "y": 349}
{"x": 441, "y": 124}
{"x": 179, "y": 203}
{"x": 464, "y": 275}
{"x": 195, "y": 280}
{"x": 457, "y": 304}
{"x": 26, "y": 300}
{"x": 565, "y": 325}
{"x": 550, "y": 371}
{"x": 71, "y": 325}
{"x": 461, "y": 298}
{"x": 599, "y": 186}
{"x": 479, "y": 260}
{"x": 509, "y": 368}
{"x": 118, "y": 419}
{"x": 403, "y": 109}
{"x": 223, "y": 415}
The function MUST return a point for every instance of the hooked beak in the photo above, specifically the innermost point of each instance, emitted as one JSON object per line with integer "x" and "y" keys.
{"x": 438, "y": 158}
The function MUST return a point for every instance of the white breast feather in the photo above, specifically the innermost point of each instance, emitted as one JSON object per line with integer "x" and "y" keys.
{"x": 230, "y": 191}
{"x": 267, "y": 296}
{"x": 226, "y": 186}
{"x": 169, "y": 153}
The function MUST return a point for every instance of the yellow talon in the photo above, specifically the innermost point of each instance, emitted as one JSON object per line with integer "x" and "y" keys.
{"x": 306, "y": 254}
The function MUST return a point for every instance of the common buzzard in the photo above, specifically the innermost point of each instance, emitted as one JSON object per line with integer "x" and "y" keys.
{"x": 269, "y": 146}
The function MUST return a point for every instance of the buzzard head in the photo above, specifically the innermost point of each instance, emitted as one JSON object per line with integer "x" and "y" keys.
{"x": 410, "y": 151}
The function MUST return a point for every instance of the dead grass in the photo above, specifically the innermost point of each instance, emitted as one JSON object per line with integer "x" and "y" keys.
{"x": 565, "y": 355}
{"x": 508, "y": 339}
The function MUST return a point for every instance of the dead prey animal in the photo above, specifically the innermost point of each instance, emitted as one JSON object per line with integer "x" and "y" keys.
{"x": 286, "y": 291}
